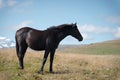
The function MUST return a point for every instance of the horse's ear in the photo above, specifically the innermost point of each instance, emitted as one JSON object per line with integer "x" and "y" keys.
{"x": 75, "y": 23}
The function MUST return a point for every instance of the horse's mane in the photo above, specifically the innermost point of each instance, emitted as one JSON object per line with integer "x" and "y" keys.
{"x": 58, "y": 27}
{"x": 52, "y": 27}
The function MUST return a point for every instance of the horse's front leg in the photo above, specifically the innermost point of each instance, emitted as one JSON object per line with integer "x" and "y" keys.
{"x": 44, "y": 61}
{"x": 51, "y": 60}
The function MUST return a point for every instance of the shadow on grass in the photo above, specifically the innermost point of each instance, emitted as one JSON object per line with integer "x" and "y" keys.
{"x": 63, "y": 72}
{"x": 57, "y": 72}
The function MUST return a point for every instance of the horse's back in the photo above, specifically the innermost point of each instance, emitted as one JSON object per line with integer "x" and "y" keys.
{"x": 25, "y": 30}
{"x": 22, "y": 30}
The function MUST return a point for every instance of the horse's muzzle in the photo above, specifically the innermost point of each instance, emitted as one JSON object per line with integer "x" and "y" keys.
{"x": 80, "y": 39}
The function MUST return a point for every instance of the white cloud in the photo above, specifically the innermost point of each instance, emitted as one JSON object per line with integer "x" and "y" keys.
{"x": 114, "y": 19}
{"x": 1, "y": 3}
{"x": 88, "y": 31}
{"x": 22, "y": 24}
{"x": 16, "y": 5}
{"x": 7, "y": 3}
{"x": 94, "y": 29}
{"x": 117, "y": 33}
{"x": 86, "y": 36}
{"x": 2, "y": 38}
{"x": 11, "y": 2}
{"x": 23, "y": 6}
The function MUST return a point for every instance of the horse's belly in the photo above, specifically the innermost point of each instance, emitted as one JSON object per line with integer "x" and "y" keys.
{"x": 37, "y": 47}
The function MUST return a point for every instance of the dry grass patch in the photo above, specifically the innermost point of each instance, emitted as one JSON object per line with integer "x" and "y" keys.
{"x": 67, "y": 66}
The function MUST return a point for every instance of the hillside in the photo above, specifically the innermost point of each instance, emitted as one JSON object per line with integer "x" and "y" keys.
{"x": 107, "y": 47}
{"x": 85, "y": 62}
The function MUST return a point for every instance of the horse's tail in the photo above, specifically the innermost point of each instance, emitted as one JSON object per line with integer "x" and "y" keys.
{"x": 17, "y": 45}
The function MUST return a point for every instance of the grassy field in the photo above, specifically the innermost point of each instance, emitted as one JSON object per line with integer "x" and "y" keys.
{"x": 103, "y": 48}
{"x": 100, "y": 61}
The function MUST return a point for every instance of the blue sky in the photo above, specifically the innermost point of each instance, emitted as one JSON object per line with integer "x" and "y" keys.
{"x": 97, "y": 20}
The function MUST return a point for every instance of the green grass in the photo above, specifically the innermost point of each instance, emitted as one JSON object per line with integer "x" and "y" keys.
{"x": 108, "y": 47}
{"x": 90, "y": 63}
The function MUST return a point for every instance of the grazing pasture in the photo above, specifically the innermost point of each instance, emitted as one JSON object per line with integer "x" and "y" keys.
{"x": 99, "y": 61}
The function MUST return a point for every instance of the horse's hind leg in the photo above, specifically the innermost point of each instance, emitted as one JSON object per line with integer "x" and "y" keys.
{"x": 22, "y": 50}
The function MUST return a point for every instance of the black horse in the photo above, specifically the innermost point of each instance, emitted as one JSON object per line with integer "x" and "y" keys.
{"x": 47, "y": 40}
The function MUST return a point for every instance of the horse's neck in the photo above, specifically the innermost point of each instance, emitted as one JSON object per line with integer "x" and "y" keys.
{"x": 61, "y": 36}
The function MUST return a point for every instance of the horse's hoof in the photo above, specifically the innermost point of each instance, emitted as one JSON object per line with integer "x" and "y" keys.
{"x": 52, "y": 72}
{"x": 21, "y": 68}
{"x": 40, "y": 72}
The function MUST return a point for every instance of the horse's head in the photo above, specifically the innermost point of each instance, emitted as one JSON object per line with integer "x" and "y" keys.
{"x": 75, "y": 32}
